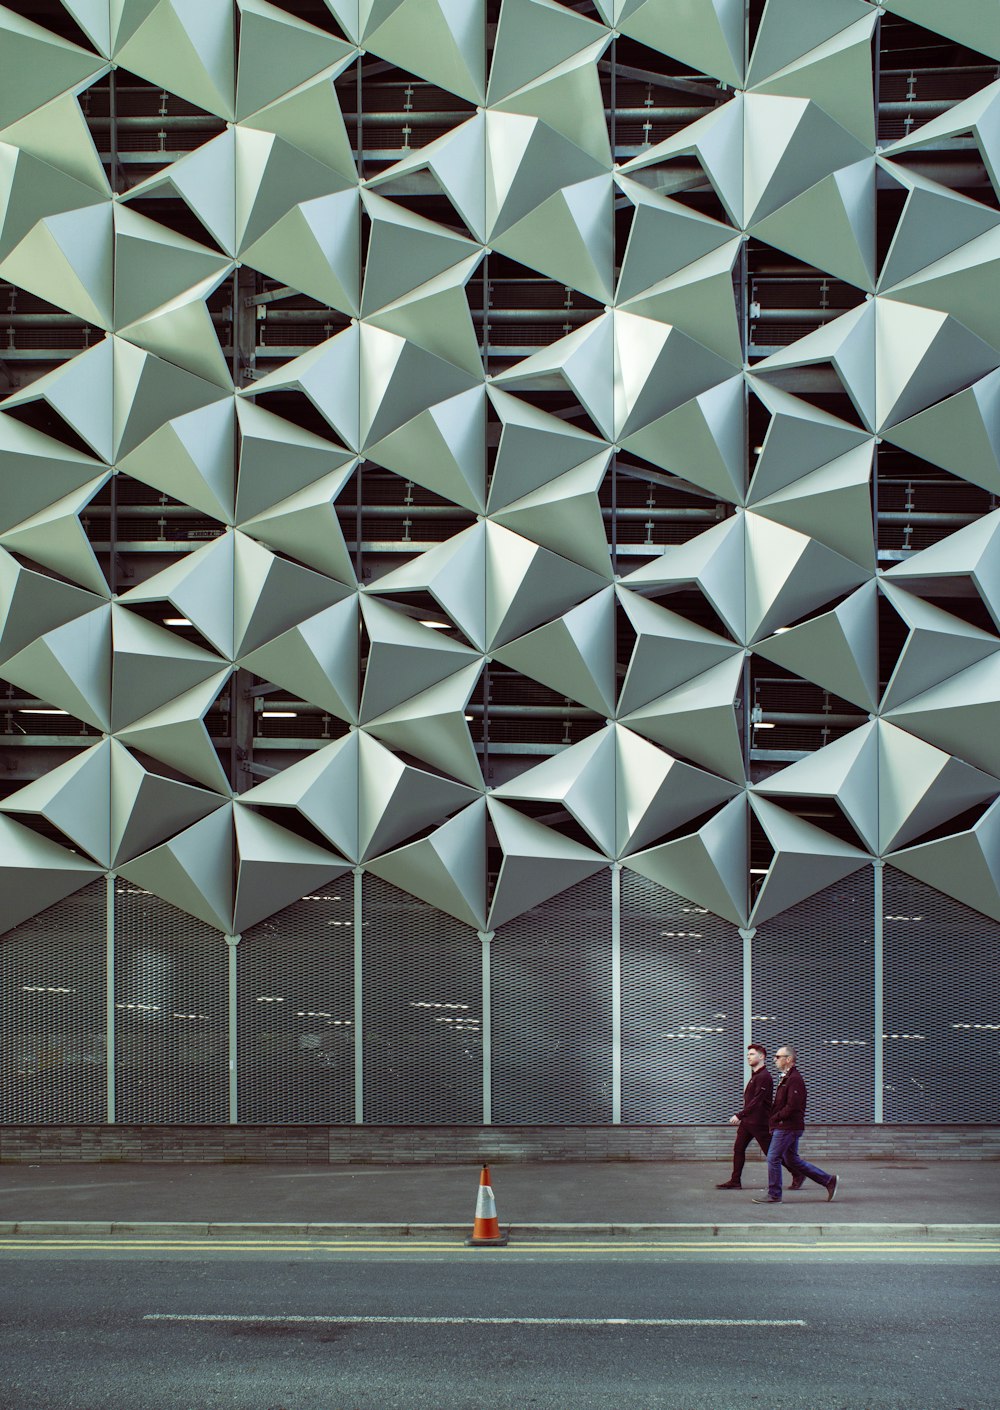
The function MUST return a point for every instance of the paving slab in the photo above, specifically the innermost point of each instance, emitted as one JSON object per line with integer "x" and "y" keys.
{"x": 603, "y": 1194}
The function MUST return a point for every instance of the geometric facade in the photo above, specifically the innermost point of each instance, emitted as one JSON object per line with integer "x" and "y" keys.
{"x": 499, "y": 557}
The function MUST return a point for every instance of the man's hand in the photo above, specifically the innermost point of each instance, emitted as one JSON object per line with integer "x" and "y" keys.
{"x": 734, "y": 1121}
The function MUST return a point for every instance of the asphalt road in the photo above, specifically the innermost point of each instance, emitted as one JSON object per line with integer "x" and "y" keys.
{"x": 541, "y": 1329}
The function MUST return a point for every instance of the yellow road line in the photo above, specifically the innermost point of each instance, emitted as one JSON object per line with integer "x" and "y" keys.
{"x": 414, "y": 1246}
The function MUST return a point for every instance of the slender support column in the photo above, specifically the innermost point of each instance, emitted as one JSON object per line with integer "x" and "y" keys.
{"x": 113, "y": 536}
{"x": 110, "y": 990}
{"x": 485, "y": 344}
{"x": 232, "y": 941}
{"x": 879, "y": 1015}
{"x": 747, "y": 936}
{"x": 616, "y": 993}
{"x": 359, "y": 1034}
{"x": 360, "y": 141}
{"x": 485, "y": 937}
{"x": 241, "y": 725}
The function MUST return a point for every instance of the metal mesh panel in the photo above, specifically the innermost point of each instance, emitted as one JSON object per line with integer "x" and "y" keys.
{"x": 550, "y": 984}
{"x": 682, "y": 1008}
{"x": 942, "y": 1007}
{"x": 53, "y": 1014}
{"x": 422, "y": 983}
{"x": 813, "y": 986}
{"x": 295, "y": 1037}
{"x": 171, "y": 1014}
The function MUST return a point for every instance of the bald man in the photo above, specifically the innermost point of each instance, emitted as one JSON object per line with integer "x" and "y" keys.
{"x": 786, "y": 1124}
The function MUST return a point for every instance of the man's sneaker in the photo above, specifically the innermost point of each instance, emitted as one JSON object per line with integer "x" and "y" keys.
{"x": 797, "y": 1183}
{"x": 831, "y": 1188}
{"x": 764, "y": 1199}
{"x": 729, "y": 1185}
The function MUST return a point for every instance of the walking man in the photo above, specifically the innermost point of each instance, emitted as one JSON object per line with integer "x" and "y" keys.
{"x": 751, "y": 1119}
{"x": 787, "y": 1122}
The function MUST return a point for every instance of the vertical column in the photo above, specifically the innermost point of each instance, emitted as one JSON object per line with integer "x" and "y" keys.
{"x": 613, "y": 104}
{"x": 359, "y": 140}
{"x": 747, "y": 936}
{"x": 241, "y": 727}
{"x": 110, "y": 990}
{"x": 616, "y": 993}
{"x": 485, "y": 342}
{"x": 232, "y": 941}
{"x": 117, "y": 178}
{"x": 878, "y": 1024}
{"x": 485, "y": 936}
{"x": 359, "y": 1059}
{"x": 878, "y": 1016}
{"x": 746, "y": 37}
{"x": 113, "y": 537}
{"x": 234, "y": 368}
{"x": 359, "y": 481}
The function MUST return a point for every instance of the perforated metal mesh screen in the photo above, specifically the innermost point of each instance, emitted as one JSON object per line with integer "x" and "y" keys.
{"x": 53, "y": 1002}
{"x": 422, "y": 987}
{"x": 941, "y": 1008}
{"x": 681, "y": 1016}
{"x": 295, "y": 1035}
{"x": 813, "y": 986}
{"x": 171, "y": 1014}
{"x": 682, "y": 1008}
{"x": 551, "y": 1008}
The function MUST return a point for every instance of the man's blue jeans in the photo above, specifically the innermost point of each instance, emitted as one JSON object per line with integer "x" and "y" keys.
{"x": 784, "y": 1149}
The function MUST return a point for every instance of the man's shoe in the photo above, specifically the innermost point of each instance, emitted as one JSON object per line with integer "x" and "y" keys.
{"x": 729, "y": 1185}
{"x": 764, "y": 1199}
{"x": 796, "y": 1184}
{"x": 831, "y": 1188}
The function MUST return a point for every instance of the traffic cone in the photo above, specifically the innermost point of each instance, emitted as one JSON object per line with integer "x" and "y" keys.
{"x": 486, "y": 1229}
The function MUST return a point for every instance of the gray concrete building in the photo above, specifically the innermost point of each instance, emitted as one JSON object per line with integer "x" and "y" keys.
{"x": 499, "y": 559}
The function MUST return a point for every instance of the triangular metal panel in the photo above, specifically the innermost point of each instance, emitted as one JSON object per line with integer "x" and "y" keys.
{"x": 709, "y": 867}
{"x": 581, "y": 779}
{"x": 966, "y": 866}
{"x": 274, "y": 868}
{"x": 447, "y": 869}
{"x": 806, "y": 860}
{"x": 36, "y": 873}
{"x": 74, "y": 797}
{"x": 921, "y": 787}
{"x": 538, "y": 863}
{"x": 194, "y": 871}
{"x": 323, "y": 788}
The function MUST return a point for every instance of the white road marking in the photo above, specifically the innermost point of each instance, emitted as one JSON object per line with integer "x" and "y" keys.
{"x": 333, "y": 1174}
{"x": 20, "y": 1243}
{"x": 484, "y": 1321}
{"x": 47, "y": 1189}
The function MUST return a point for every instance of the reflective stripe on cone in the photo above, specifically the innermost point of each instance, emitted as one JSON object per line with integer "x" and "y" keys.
{"x": 486, "y": 1228}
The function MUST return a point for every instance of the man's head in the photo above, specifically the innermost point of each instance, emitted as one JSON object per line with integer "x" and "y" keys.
{"x": 756, "y": 1055}
{"x": 785, "y": 1057}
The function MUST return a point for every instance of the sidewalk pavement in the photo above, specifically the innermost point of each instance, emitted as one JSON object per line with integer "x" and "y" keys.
{"x": 882, "y": 1199}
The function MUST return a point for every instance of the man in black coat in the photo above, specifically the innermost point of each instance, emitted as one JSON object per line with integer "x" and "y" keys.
{"x": 752, "y": 1118}
{"x": 787, "y": 1121}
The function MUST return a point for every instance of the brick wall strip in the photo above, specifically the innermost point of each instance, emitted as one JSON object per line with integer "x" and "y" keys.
{"x": 337, "y": 1145}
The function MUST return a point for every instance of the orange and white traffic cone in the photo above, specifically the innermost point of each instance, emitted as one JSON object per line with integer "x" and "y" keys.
{"x": 486, "y": 1229}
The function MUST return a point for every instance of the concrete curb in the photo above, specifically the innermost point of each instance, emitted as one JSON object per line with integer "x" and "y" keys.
{"x": 351, "y": 1233}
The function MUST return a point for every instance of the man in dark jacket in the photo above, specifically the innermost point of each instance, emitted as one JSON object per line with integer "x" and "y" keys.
{"x": 751, "y": 1119}
{"x": 787, "y": 1122}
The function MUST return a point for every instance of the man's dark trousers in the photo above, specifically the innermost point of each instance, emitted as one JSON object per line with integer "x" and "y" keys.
{"x": 784, "y": 1150}
{"x": 745, "y": 1134}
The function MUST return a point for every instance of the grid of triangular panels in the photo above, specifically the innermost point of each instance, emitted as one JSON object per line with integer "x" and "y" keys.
{"x": 579, "y": 427}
